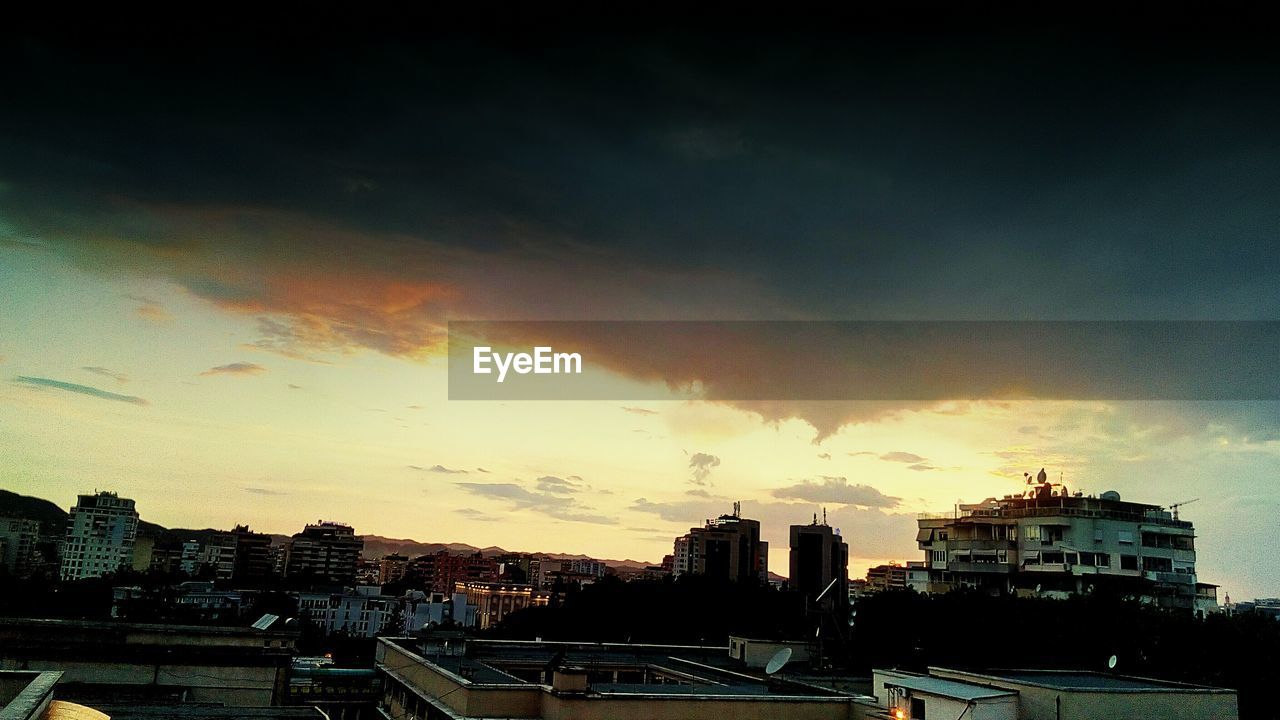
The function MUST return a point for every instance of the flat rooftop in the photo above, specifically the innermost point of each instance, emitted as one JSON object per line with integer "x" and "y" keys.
{"x": 1088, "y": 680}
{"x": 616, "y": 669}
{"x": 954, "y": 689}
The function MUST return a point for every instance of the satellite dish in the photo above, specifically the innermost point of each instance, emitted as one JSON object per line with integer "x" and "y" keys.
{"x": 778, "y": 661}
{"x": 1111, "y": 662}
{"x": 1037, "y": 588}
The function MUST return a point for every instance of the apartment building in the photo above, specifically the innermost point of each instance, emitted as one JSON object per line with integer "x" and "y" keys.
{"x": 1051, "y": 542}
{"x": 725, "y": 547}
{"x": 325, "y": 552}
{"x": 100, "y": 534}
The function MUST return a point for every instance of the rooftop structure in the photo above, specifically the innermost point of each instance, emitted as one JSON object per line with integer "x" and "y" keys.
{"x": 147, "y": 664}
{"x": 1043, "y": 695}
{"x": 514, "y": 679}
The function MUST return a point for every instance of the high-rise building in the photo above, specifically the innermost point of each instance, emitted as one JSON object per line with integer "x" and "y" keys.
{"x": 253, "y": 559}
{"x": 1049, "y": 541}
{"x": 440, "y": 571}
{"x": 218, "y": 555}
{"x": 726, "y": 547}
{"x": 391, "y": 568}
{"x": 819, "y": 557}
{"x": 18, "y": 537}
{"x": 887, "y": 577}
{"x": 100, "y": 535}
{"x": 325, "y": 552}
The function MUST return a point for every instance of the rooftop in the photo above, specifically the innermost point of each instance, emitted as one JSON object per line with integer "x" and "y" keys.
{"x": 953, "y": 689}
{"x": 1088, "y": 680}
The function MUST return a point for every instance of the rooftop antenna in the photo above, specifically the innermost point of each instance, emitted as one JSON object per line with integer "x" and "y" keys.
{"x": 1174, "y": 507}
{"x": 824, "y": 516}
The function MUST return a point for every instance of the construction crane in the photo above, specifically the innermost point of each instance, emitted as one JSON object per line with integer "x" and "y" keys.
{"x": 1174, "y": 507}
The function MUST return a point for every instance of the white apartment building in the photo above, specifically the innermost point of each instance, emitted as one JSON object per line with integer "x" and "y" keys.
{"x": 1050, "y": 542}
{"x": 360, "y": 612}
{"x": 100, "y": 535}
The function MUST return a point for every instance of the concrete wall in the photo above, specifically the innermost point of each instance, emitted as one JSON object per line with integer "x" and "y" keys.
{"x": 462, "y": 697}
{"x": 565, "y": 707}
{"x": 1042, "y": 703}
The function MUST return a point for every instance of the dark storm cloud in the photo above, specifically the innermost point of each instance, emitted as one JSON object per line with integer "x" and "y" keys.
{"x": 815, "y": 175}
{"x": 79, "y": 389}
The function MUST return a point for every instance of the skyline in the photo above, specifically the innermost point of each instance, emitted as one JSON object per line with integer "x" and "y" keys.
{"x": 226, "y": 277}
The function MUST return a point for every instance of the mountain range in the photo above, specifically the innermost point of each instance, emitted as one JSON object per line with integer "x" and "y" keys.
{"x": 53, "y": 522}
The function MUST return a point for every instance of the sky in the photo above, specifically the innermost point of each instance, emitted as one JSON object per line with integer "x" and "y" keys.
{"x": 228, "y": 260}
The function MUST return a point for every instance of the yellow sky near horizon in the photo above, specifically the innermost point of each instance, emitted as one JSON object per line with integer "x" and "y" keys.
{"x": 371, "y": 439}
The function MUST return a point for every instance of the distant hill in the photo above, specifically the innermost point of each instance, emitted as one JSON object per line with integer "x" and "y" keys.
{"x": 53, "y": 520}
{"x": 375, "y": 546}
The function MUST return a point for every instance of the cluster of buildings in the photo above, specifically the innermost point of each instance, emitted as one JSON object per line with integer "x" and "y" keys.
{"x": 1045, "y": 542}
{"x": 589, "y": 681}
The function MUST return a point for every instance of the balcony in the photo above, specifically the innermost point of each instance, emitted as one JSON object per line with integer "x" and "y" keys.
{"x": 980, "y": 567}
{"x": 982, "y": 544}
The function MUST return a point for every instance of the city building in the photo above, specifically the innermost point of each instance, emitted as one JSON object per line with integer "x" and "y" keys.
{"x": 422, "y": 611}
{"x": 133, "y": 664}
{"x": 100, "y": 534}
{"x": 886, "y": 577}
{"x": 918, "y": 576}
{"x": 218, "y": 555}
{"x": 577, "y": 571}
{"x": 495, "y": 601}
{"x": 589, "y": 681}
{"x": 253, "y": 560}
{"x": 440, "y": 571}
{"x": 18, "y": 538}
{"x": 326, "y": 552}
{"x": 190, "y": 559}
{"x": 819, "y": 557}
{"x": 391, "y": 568}
{"x": 1048, "y": 541}
{"x": 1042, "y": 695}
{"x": 362, "y": 611}
{"x": 727, "y": 547}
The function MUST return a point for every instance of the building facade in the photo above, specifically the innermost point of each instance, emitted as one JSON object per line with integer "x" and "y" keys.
{"x": 100, "y": 535}
{"x": 727, "y": 547}
{"x": 1050, "y": 542}
{"x": 18, "y": 538}
{"x": 495, "y": 601}
{"x": 819, "y": 557}
{"x": 326, "y": 552}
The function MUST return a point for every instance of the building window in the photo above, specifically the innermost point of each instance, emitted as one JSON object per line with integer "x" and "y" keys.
{"x": 917, "y": 709}
{"x": 1128, "y": 562}
{"x": 1031, "y": 532}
